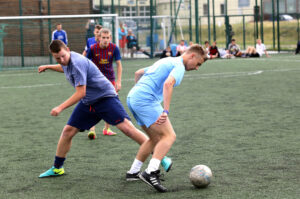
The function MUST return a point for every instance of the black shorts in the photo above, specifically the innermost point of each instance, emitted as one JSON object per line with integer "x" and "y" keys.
{"x": 254, "y": 55}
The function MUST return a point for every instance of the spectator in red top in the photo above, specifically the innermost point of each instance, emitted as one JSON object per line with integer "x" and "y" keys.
{"x": 213, "y": 51}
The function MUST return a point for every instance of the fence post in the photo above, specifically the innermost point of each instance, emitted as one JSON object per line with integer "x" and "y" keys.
{"x": 273, "y": 22}
{"x": 278, "y": 29}
{"x": 226, "y": 25}
{"x": 197, "y": 21}
{"x": 261, "y": 21}
{"x": 214, "y": 20}
{"x": 256, "y": 12}
{"x": 200, "y": 20}
{"x": 151, "y": 29}
{"x": 49, "y": 30}
{"x": 119, "y": 8}
{"x": 2, "y": 34}
{"x": 244, "y": 32}
{"x": 208, "y": 21}
{"x": 227, "y": 30}
{"x": 298, "y": 27}
{"x": 137, "y": 22}
{"x": 113, "y": 22}
{"x": 21, "y": 33}
{"x": 190, "y": 20}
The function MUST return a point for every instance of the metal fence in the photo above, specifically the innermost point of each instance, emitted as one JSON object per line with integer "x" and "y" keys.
{"x": 276, "y": 22}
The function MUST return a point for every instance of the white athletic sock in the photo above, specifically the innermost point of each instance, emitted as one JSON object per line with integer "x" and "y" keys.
{"x": 153, "y": 165}
{"x": 136, "y": 166}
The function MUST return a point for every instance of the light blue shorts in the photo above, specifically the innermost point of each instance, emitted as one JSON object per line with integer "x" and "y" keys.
{"x": 145, "y": 111}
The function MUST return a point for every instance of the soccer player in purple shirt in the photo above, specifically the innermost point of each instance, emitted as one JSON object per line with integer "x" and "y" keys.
{"x": 96, "y": 98}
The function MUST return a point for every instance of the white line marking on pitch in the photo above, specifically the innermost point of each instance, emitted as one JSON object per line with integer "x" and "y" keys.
{"x": 187, "y": 76}
{"x": 30, "y": 86}
{"x": 12, "y": 75}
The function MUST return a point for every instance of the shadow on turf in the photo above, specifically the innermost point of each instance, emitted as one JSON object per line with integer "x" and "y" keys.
{"x": 141, "y": 186}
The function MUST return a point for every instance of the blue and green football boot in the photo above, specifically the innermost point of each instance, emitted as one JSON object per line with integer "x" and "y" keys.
{"x": 166, "y": 163}
{"x": 53, "y": 172}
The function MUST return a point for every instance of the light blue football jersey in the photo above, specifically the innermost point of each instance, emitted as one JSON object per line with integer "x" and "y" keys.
{"x": 152, "y": 82}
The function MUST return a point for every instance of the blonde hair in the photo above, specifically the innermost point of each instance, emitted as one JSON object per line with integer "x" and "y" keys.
{"x": 104, "y": 30}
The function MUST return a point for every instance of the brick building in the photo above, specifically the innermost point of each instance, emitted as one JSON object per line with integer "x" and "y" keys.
{"x": 35, "y": 34}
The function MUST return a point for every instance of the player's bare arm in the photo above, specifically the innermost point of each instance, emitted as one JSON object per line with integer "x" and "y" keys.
{"x": 84, "y": 53}
{"x": 167, "y": 93}
{"x": 119, "y": 75}
{"x": 56, "y": 67}
{"x": 138, "y": 74}
{"x": 80, "y": 93}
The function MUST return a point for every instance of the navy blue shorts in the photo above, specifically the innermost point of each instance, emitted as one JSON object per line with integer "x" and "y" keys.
{"x": 109, "y": 109}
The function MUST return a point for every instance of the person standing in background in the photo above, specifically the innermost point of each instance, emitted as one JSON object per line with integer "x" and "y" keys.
{"x": 122, "y": 37}
{"x": 60, "y": 34}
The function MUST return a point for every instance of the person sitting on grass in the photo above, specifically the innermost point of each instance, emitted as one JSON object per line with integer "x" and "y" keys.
{"x": 167, "y": 53}
{"x": 213, "y": 51}
{"x": 132, "y": 44}
{"x": 261, "y": 48}
{"x": 181, "y": 48}
{"x": 234, "y": 49}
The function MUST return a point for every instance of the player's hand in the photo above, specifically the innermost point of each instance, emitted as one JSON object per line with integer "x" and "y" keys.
{"x": 56, "y": 111}
{"x": 118, "y": 86}
{"x": 42, "y": 68}
{"x": 162, "y": 118}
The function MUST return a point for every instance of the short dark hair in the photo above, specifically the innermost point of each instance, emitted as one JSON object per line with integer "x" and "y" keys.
{"x": 98, "y": 27}
{"x": 233, "y": 40}
{"x": 56, "y": 45}
{"x": 206, "y": 42}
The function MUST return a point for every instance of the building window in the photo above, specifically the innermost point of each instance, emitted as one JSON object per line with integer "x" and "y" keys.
{"x": 244, "y": 3}
{"x": 282, "y": 6}
{"x": 205, "y": 9}
{"x": 291, "y": 6}
{"x": 222, "y": 9}
{"x": 268, "y": 8}
{"x": 129, "y": 11}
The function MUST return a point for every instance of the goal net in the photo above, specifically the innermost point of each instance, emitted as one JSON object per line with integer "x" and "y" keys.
{"x": 24, "y": 40}
{"x": 141, "y": 28}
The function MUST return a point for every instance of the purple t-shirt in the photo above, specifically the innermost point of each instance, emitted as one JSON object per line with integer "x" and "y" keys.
{"x": 82, "y": 71}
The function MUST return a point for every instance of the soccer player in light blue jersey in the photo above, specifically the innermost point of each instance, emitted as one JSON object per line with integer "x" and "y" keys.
{"x": 155, "y": 85}
{"x": 96, "y": 99}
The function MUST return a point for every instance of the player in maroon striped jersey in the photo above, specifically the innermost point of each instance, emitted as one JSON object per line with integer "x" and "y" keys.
{"x": 103, "y": 54}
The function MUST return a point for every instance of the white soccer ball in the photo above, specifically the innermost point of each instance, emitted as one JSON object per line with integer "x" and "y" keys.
{"x": 200, "y": 176}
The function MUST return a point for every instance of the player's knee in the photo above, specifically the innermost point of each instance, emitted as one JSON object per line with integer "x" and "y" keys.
{"x": 68, "y": 132}
{"x": 126, "y": 127}
{"x": 171, "y": 137}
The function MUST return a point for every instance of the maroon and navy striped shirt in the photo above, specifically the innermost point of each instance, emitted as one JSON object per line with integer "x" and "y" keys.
{"x": 103, "y": 58}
